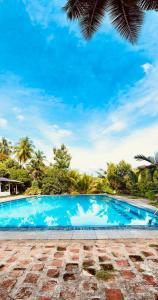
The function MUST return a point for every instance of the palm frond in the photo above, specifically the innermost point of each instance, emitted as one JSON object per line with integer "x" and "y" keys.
{"x": 75, "y": 8}
{"x": 141, "y": 157}
{"x": 148, "y": 4}
{"x": 92, "y": 17}
{"x": 156, "y": 157}
{"x": 152, "y": 159}
{"x": 127, "y": 18}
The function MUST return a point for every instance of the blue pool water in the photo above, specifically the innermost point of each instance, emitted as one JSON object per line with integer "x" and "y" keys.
{"x": 73, "y": 211}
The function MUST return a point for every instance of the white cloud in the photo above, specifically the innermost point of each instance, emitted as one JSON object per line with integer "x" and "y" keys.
{"x": 16, "y": 109}
{"x": 51, "y": 136}
{"x": 102, "y": 151}
{"x": 54, "y": 134}
{"x": 20, "y": 117}
{"x": 45, "y": 12}
{"x": 115, "y": 126}
{"x": 146, "y": 67}
{"x": 39, "y": 11}
{"x": 140, "y": 100}
{"x": 3, "y": 122}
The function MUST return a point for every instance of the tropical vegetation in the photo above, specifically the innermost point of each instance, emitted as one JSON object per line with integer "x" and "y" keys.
{"x": 127, "y": 16}
{"x": 26, "y": 164}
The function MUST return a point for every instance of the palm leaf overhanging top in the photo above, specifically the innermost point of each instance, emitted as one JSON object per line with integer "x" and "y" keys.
{"x": 140, "y": 157}
{"x": 92, "y": 17}
{"x": 148, "y": 4}
{"x": 127, "y": 15}
{"x": 75, "y": 8}
{"x": 127, "y": 18}
{"x": 156, "y": 157}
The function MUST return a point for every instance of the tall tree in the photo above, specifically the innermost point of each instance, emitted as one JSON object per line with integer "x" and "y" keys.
{"x": 39, "y": 157}
{"x": 126, "y": 15}
{"x": 62, "y": 157}
{"x": 24, "y": 150}
{"x": 5, "y": 147}
{"x": 120, "y": 176}
{"x": 84, "y": 183}
{"x": 36, "y": 164}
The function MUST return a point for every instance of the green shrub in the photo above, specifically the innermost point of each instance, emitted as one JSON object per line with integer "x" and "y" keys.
{"x": 150, "y": 195}
{"x": 33, "y": 191}
{"x": 56, "y": 181}
{"x": 108, "y": 190}
{"x": 35, "y": 184}
{"x": 11, "y": 163}
{"x": 3, "y": 171}
{"x": 20, "y": 175}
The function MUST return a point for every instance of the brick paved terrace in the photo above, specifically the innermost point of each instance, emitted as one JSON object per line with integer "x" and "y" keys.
{"x": 85, "y": 270}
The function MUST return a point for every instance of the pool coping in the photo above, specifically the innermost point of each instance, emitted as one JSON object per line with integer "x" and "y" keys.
{"x": 125, "y": 232}
{"x": 79, "y": 234}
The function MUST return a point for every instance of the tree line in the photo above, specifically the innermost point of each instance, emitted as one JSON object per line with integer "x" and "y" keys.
{"x": 24, "y": 163}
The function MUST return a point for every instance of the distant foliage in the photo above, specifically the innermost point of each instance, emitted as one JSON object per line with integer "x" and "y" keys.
{"x": 3, "y": 171}
{"x": 20, "y": 175}
{"x": 24, "y": 163}
{"x": 24, "y": 150}
{"x": 3, "y": 157}
{"x": 62, "y": 157}
{"x": 32, "y": 191}
{"x": 121, "y": 176}
{"x": 55, "y": 181}
{"x": 5, "y": 147}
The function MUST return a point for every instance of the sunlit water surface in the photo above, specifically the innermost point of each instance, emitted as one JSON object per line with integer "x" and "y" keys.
{"x": 73, "y": 211}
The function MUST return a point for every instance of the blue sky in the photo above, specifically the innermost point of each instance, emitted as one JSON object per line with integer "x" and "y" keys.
{"x": 99, "y": 97}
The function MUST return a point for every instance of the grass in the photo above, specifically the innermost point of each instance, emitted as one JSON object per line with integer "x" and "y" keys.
{"x": 154, "y": 203}
{"x": 100, "y": 274}
{"x": 153, "y": 245}
{"x": 104, "y": 275}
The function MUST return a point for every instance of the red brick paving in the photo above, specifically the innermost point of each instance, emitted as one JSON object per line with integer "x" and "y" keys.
{"x": 113, "y": 294}
{"x": 67, "y": 270}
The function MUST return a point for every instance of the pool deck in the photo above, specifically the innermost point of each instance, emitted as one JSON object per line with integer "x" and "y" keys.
{"x": 90, "y": 234}
{"x": 79, "y": 270}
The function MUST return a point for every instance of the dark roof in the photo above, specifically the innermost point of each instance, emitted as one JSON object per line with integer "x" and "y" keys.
{"x": 3, "y": 179}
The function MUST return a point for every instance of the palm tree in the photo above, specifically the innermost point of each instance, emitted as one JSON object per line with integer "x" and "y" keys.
{"x": 153, "y": 160}
{"x": 126, "y": 15}
{"x": 39, "y": 157}
{"x": 24, "y": 150}
{"x": 81, "y": 183}
{"x": 5, "y": 147}
{"x": 62, "y": 157}
{"x": 84, "y": 183}
{"x": 35, "y": 166}
{"x": 102, "y": 173}
{"x": 151, "y": 168}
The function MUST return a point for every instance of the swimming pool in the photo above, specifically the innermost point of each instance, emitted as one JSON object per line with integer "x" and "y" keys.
{"x": 74, "y": 212}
